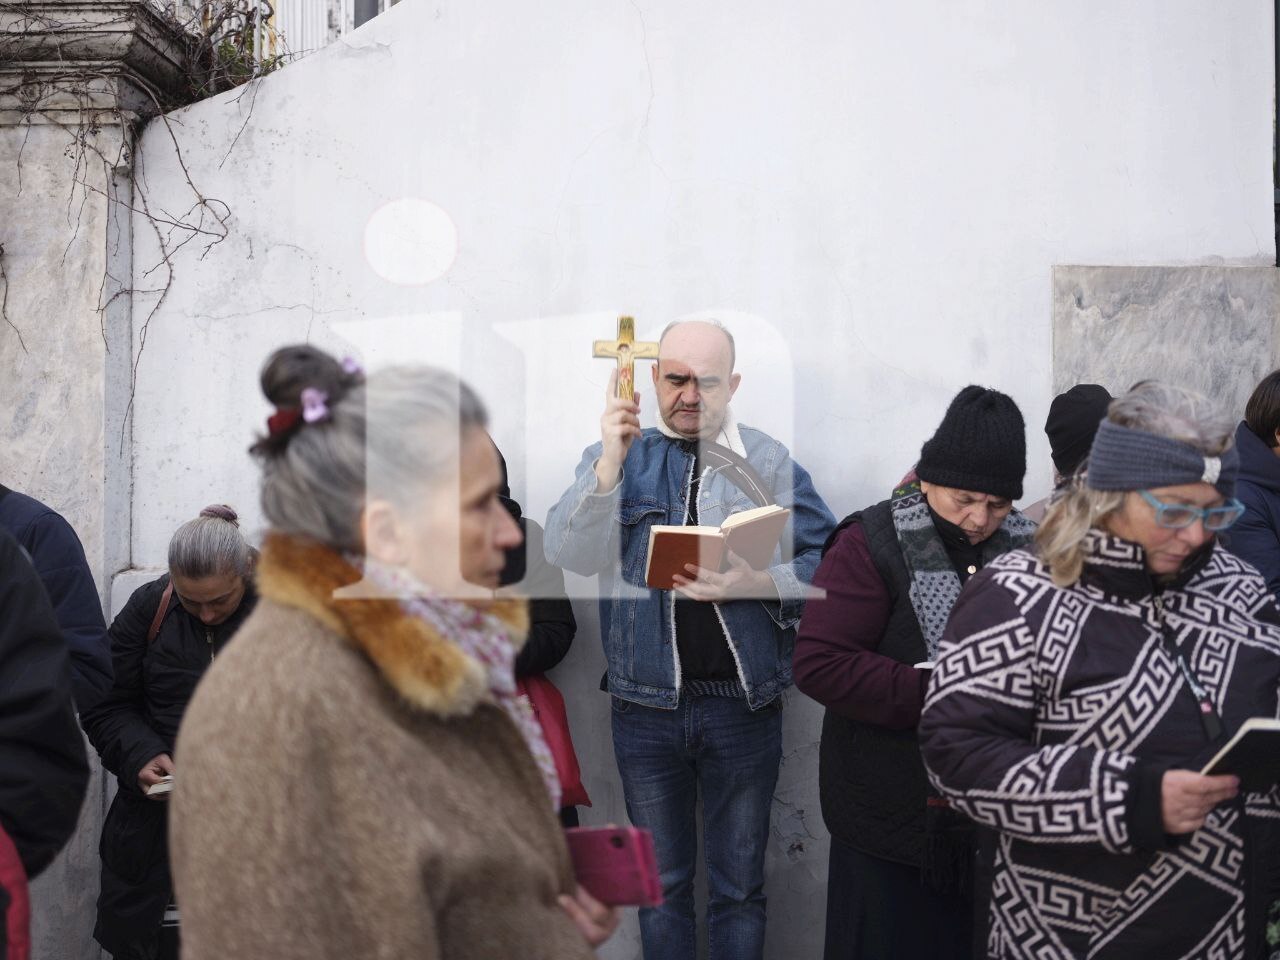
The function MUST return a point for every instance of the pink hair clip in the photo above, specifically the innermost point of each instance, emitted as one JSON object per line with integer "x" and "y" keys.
{"x": 352, "y": 366}
{"x": 314, "y": 405}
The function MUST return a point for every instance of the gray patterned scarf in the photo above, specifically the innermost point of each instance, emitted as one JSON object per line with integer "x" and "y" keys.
{"x": 935, "y": 586}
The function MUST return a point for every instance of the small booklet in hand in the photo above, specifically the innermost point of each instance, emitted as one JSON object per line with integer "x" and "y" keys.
{"x": 1253, "y": 755}
{"x": 616, "y": 865}
{"x": 752, "y": 534}
{"x": 164, "y": 786}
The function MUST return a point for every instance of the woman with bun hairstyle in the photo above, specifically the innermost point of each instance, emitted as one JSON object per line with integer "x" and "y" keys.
{"x": 162, "y": 642}
{"x": 359, "y": 777}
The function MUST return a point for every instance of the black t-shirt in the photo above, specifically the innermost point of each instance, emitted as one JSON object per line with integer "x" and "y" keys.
{"x": 700, "y": 638}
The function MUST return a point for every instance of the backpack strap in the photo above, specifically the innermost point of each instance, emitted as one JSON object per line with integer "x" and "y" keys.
{"x": 161, "y": 610}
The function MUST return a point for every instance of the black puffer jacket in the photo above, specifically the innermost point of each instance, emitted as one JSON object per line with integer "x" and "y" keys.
{"x": 43, "y": 770}
{"x": 137, "y": 721}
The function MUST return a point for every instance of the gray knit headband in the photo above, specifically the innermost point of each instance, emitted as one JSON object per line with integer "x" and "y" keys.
{"x": 1123, "y": 458}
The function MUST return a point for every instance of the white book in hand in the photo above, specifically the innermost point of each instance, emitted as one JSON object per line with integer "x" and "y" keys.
{"x": 1253, "y": 755}
{"x": 164, "y": 786}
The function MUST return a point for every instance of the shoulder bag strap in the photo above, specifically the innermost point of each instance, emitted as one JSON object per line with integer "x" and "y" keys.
{"x": 161, "y": 610}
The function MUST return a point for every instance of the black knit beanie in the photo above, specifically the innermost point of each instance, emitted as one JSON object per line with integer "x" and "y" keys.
{"x": 1073, "y": 420}
{"x": 981, "y": 445}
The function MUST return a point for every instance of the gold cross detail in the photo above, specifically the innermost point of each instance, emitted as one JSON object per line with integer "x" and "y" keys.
{"x": 626, "y": 349}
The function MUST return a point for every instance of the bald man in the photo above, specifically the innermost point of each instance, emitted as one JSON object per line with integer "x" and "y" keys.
{"x": 696, "y": 673}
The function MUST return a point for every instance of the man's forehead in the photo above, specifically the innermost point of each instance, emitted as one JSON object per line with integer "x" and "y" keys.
{"x": 699, "y": 346}
{"x": 696, "y": 367}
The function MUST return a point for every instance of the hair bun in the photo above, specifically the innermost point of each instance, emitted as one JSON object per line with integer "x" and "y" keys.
{"x": 222, "y": 511}
{"x": 287, "y": 373}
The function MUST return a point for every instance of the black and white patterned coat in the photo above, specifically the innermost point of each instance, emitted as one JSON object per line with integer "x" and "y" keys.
{"x": 1051, "y": 716}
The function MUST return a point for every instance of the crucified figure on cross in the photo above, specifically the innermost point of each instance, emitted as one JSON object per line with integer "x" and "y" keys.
{"x": 626, "y": 350}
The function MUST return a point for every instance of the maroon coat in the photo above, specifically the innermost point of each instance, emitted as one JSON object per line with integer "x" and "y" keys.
{"x": 836, "y": 659}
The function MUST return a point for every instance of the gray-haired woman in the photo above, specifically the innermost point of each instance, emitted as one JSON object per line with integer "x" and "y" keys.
{"x": 161, "y": 644}
{"x": 359, "y": 777}
{"x": 1081, "y": 685}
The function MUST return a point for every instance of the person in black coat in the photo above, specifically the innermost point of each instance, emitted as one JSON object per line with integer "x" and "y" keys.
{"x": 1256, "y": 536}
{"x": 58, "y": 557}
{"x": 43, "y": 768}
{"x": 159, "y": 657}
{"x": 552, "y": 624}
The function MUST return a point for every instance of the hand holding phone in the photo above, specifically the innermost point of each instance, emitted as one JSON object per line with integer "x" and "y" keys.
{"x": 616, "y": 865}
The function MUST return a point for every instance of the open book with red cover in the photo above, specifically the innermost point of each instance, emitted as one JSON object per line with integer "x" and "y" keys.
{"x": 752, "y": 534}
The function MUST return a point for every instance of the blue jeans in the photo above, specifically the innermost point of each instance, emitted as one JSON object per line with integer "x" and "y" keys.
{"x": 719, "y": 746}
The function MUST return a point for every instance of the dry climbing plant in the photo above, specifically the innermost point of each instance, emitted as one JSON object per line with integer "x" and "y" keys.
{"x": 229, "y": 43}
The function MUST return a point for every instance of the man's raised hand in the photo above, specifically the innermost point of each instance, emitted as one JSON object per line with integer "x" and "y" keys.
{"x": 619, "y": 427}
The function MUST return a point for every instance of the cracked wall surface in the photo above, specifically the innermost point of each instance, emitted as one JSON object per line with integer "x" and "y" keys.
{"x": 60, "y": 415}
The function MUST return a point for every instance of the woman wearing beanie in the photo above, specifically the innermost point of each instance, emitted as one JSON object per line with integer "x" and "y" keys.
{"x": 1071, "y": 425}
{"x": 900, "y": 859}
{"x": 162, "y": 642}
{"x": 1080, "y": 686}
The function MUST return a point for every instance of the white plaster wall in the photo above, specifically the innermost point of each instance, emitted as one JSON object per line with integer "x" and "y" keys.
{"x": 886, "y": 185}
{"x": 881, "y": 188}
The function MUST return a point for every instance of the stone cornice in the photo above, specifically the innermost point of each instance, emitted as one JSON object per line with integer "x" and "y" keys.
{"x": 101, "y": 57}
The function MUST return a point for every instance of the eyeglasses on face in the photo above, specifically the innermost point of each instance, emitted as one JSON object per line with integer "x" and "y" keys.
{"x": 1178, "y": 516}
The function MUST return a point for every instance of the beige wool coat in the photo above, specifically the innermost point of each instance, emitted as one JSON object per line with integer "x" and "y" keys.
{"x": 346, "y": 789}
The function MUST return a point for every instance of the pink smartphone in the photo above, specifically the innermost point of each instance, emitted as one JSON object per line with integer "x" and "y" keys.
{"x": 616, "y": 865}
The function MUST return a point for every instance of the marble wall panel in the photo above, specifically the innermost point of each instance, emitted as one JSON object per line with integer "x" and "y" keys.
{"x": 1211, "y": 328}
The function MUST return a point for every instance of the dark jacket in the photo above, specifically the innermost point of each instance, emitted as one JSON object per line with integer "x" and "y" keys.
{"x": 1052, "y": 715}
{"x": 551, "y": 620}
{"x": 137, "y": 721}
{"x": 855, "y": 652}
{"x": 43, "y": 769}
{"x": 1255, "y": 538}
{"x": 59, "y": 559}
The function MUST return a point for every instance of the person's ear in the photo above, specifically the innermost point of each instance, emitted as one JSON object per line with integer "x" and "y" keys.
{"x": 380, "y": 529}
{"x": 653, "y": 369}
{"x": 734, "y": 380}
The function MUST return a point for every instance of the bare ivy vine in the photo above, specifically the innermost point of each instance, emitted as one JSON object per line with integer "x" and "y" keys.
{"x": 225, "y": 41}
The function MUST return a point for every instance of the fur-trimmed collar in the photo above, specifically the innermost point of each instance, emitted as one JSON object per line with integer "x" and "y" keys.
{"x": 427, "y": 669}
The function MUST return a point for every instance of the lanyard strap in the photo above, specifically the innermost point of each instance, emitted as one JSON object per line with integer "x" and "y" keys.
{"x": 1209, "y": 718}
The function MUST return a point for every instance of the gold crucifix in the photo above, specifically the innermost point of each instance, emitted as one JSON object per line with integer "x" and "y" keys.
{"x": 627, "y": 350}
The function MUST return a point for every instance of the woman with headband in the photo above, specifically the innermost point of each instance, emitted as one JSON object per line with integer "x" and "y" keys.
{"x": 1080, "y": 687}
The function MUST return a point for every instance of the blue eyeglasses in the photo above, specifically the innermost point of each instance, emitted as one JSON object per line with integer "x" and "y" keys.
{"x": 1178, "y": 516}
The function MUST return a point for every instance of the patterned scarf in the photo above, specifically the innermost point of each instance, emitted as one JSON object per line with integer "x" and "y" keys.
{"x": 947, "y": 860}
{"x": 935, "y": 585}
{"x": 483, "y": 638}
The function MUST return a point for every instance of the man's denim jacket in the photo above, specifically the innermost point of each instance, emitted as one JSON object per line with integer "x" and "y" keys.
{"x": 608, "y": 534}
